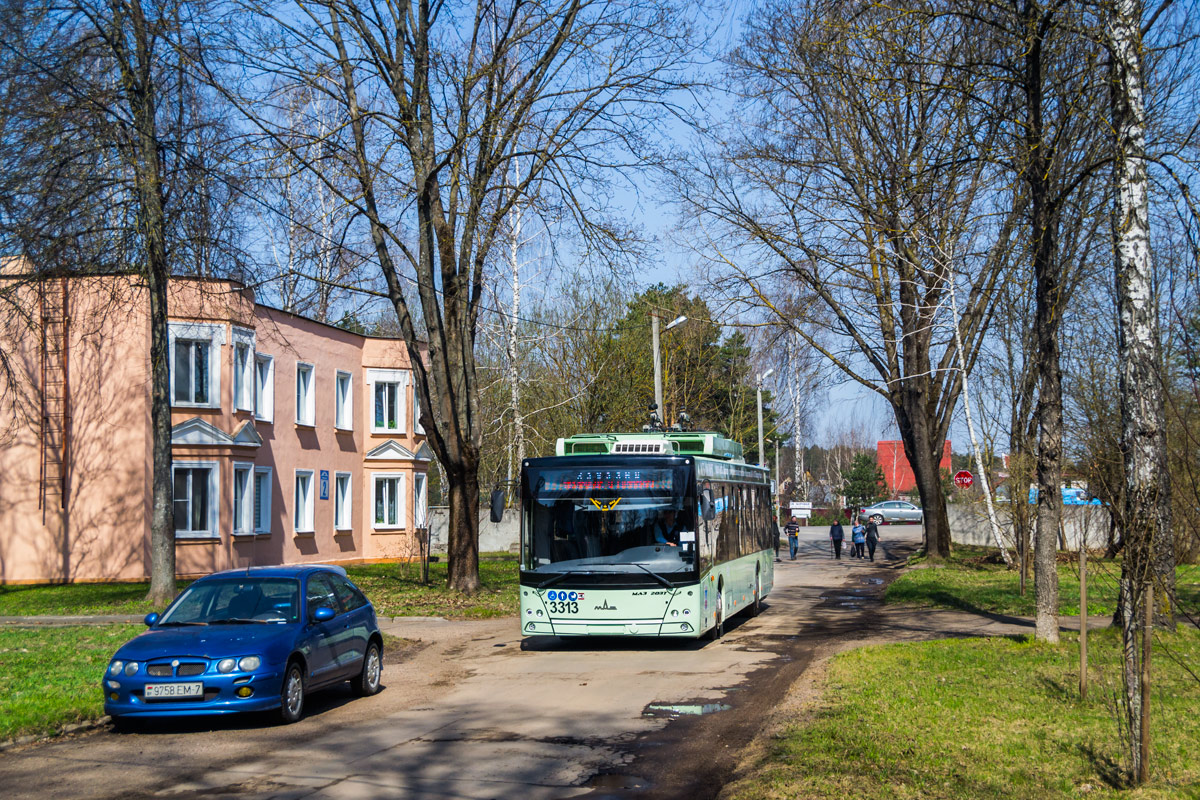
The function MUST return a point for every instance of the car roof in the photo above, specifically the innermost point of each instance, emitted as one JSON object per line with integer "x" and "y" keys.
{"x": 278, "y": 571}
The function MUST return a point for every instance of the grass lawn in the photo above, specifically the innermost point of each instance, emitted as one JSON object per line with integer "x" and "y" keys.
{"x": 982, "y": 718}
{"x": 973, "y": 579}
{"x": 395, "y": 589}
{"x": 50, "y": 676}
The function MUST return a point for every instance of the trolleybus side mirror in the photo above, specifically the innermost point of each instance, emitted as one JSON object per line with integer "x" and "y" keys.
{"x": 497, "y": 505}
{"x": 707, "y": 506}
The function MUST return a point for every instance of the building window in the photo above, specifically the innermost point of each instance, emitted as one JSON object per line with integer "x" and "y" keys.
{"x": 302, "y": 516}
{"x": 387, "y": 406}
{"x": 420, "y": 503}
{"x": 305, "y": 411}
{"x": 417, "y": 427}
{"x": 262, "y": 499}
{"x": 191, "y": 372}
{"x": 193, "y": 352}
{"x": 195, "y": 499}
{"x": 243, "y": 499}
{"x": 243, "y": 397}
{"x": 343, "y": 418}
{"x": 389, "y": 501}
{"x": 264, "y": 387}
{"x": 341, "y": 502}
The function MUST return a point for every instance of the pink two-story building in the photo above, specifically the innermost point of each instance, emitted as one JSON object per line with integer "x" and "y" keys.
{"x": 292, "y": 440}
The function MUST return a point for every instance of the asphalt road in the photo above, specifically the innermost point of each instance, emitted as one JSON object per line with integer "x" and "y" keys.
{"x": 478, "y": 712}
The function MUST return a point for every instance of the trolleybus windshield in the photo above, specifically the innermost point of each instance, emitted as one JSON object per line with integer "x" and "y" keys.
{"x": 611, "y": 519}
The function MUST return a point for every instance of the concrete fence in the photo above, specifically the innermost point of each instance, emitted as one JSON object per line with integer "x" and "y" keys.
{"x": 494, "y": 537}
{"x": 969, "y": 524}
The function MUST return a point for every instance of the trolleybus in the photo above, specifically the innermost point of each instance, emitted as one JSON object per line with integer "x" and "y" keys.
{"x": 643, "y": 534}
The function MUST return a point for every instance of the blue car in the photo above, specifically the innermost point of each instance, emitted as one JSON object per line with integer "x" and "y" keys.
{"x": 255, "y": 639}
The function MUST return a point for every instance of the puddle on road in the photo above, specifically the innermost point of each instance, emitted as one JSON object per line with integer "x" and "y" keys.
{"x": 685, "y": 710}
{"x": 850, "y": 605}
{"x": 618, "y": 782}
{"x": 874, "y": 581}
{"x": 854, "y": 597}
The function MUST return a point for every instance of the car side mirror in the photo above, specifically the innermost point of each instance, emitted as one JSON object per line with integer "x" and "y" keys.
{"x": 708, "y": 508}
{"x": 498, "y": 505}
{"x": 151, "y": 618}
{"x": 323, "y": 614}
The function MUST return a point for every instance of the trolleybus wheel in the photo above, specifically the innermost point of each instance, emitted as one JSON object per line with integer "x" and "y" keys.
{"x": 756, "y": 606}
{"x": 718, "y": 630}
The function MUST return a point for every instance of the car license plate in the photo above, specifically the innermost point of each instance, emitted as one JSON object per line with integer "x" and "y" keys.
{"x": 173, "y": 690}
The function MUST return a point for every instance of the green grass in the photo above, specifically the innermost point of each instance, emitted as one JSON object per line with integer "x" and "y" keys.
{"x": 974, "y": 579}
{"x": 50, "y": 676}
{"x": 982, "y": 718}
{"x": 395, "y": 589}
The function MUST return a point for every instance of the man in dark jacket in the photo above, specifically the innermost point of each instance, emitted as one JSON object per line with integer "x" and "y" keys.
{"x": 835, "y": 537}
{"x": 872, "y": 537}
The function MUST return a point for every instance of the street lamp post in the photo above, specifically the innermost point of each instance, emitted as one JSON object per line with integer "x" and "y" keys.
{"x": 658, "y": 390}
{"x": 762, "y": 462}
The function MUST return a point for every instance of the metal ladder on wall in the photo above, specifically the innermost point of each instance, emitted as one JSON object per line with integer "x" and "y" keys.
{"x": 56, "y": 394}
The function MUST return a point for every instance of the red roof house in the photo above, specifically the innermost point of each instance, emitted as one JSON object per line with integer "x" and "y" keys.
{"x": 896, "y": 470}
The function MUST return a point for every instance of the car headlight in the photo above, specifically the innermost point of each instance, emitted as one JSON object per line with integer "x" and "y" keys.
{"x": 131, "y": 668}
{"x": 249, "y": 663}
{"x": 115, "y": 667}
{"x": 226, "y": 664}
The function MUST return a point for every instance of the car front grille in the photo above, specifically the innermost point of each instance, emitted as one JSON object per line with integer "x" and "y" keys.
{"x": 166, "y": 670}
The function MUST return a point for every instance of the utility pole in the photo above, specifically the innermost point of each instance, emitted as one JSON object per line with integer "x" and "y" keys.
{"x": 762, "y": 459}
{"x": 658, "y": 389}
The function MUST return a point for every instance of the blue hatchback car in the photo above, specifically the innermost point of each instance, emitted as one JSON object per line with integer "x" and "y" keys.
{"x": 248, "y": 640}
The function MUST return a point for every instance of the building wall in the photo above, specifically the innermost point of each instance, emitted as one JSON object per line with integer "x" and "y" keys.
{"x": 104, "y": 532}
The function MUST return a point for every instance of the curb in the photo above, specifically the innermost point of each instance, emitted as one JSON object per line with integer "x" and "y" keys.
{"x": 75, "y": 727}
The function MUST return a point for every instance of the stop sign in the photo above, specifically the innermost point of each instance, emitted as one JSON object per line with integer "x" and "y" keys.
{"x": 963, "y": 479}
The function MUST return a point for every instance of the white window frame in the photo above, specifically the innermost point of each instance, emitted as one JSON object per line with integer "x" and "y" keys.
{"x": 309, "y": 415}
{"x": 343, "y": 404}
{"x": 243, "y": 377}
{"x": 420, "y": 500}
{"x": 214, "y": 499}
{"x": 343, "y": 503}
{"x": 245, "y": 525}
{"x": 264, "y": 390}
{"x": 214, "y": 335}
{"x": 401, "y": 378}
{"x": 264, "y": 502}
{"x": 302, "y": 511}
{"x": 376, "y": 477}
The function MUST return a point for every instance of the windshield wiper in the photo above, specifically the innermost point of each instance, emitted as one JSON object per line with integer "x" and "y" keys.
{"x": 654, "y": 575}
{"x": 173, "y": 622}
{"x": 563, "y": 576}
{"x": 235, "y": 621}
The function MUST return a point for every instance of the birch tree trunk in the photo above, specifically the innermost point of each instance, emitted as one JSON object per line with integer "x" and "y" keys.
{"x": 1148, "y": 544}
{"x": 966, "y": 396}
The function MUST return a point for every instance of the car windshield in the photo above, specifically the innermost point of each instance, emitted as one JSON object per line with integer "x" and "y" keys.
{"x": 634, "y": 519}
{"x": 243, "y": 600}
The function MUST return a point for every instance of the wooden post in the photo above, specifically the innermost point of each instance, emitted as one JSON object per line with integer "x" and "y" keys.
{"x": 1147, "y": 632}
{"x": 1083, "y": 617}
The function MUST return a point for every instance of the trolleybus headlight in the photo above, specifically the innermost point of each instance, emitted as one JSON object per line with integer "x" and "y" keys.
{"x": 685, "y": 626}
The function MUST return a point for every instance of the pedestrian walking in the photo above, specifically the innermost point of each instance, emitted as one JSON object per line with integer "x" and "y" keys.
{"x": 872, "y": 536}
{"x": 835, "y": 538}
{"x": 793, "y": 533}
{"x": 857, "y": 538}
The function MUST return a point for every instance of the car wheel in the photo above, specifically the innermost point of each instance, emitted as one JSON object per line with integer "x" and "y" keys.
{"x": 877, "y": 519}
{"x": 291, "y": 696}
{"x": 367, "y": 681}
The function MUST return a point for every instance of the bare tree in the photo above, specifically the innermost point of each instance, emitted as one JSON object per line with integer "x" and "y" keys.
{"x": 438, "y": 98}
{"x": 860, "y": 166}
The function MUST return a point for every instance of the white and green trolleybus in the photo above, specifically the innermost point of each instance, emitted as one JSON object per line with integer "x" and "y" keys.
{"x": 643, "y": 534}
